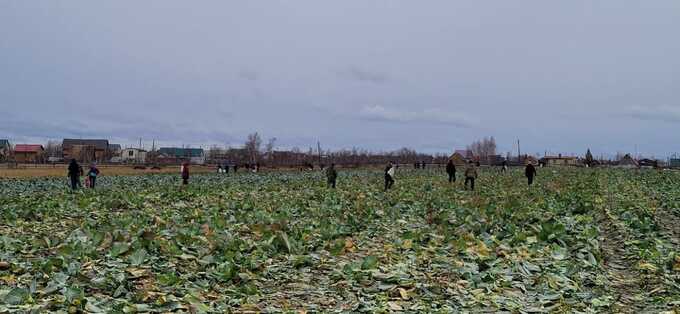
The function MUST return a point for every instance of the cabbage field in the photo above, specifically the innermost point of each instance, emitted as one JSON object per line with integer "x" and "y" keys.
{"x": 578, "y": 241}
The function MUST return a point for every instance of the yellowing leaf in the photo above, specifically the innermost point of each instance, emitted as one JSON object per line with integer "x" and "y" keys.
{"x": 403, "y": 293}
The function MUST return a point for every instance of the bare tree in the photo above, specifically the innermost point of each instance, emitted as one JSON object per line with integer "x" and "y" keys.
{"x": 269, "y": 148}
{"x": 54, "y": 149}
{"x": 252, "y": 147}
{"x": 483, "y": 148}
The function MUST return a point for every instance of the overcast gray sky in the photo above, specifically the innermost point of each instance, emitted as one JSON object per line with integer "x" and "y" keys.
{"x": 432, "y": 75}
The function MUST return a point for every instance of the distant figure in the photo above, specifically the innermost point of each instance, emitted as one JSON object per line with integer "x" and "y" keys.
{"x": 225, "y": 168}
{"x": 219, "y": 168}
{"x": 505, "y": 166}
{"x": 184, "y": 170}
{"x": 92, "y": 175}
{"x": 235, "y": 168}
{"x": 332, "y": 176}
{"x": 451, "y": 171}
{"x": 74, "y": 174}
{"x": 415, "y": 165}
{"x": 389, "y": 176}
{"x": 530, "y": 172}
{"x": 470, "y": 175}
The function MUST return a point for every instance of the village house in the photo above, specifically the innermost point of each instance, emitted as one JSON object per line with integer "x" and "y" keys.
{"x": 674, "y": 163}
{"x": 461, "y": 156}
{"x": 133, "y": 155}
{"x": 5, "y": 149}
{"x": 86, "y": 150}
{"x": 288, "y": 158}
{"x": 560, "y": 160}
{"x": 648, "y": 163}
{"x": 115, "y": 150}
{"x": 627, "y": 162}
{"x": 29, "y": 153}
{"x": 176, "y": 155}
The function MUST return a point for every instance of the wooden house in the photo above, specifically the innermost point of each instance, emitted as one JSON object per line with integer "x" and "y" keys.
{"x": 29, "y": 153}
{"x": 86, "y": 150}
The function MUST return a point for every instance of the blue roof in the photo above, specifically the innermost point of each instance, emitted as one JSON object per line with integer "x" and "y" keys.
{"x": 181, "y": 152}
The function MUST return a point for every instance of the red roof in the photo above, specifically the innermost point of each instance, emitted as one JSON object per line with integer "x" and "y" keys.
{"x": 28, "y": 148}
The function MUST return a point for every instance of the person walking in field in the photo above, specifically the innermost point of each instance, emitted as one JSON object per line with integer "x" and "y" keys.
{"x": 92, "y": 175}
{"x": 451, "y": 171}
{"x": 470, "y": 175}
{"x": 332, "y": 176}
{"x": 530, "y": 173}
{"x": 184, "y": 170}
{"x": 389, "y": 176}
{"x": 74, "y": 174}
{"x": 505, "y": 166}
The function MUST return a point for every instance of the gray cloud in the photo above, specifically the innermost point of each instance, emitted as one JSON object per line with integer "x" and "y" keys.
{"x": 363, "y": 75}
{"x": 437, "y": 116}
{"x": 654, "y": 113}
{"x": 248, "y": 75}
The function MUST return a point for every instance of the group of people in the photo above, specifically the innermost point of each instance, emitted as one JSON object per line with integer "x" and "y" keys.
{"x": 470, "y": 173}
{"x": 75, "y": 171}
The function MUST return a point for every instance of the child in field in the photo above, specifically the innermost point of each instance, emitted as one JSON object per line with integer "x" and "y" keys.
{"x": 92, "y": 175}
{"x": 184, "y": 170}
{"x": 470, "y": 175}
{"x": 389, "y": 176}
{"x": 331, "y": 175}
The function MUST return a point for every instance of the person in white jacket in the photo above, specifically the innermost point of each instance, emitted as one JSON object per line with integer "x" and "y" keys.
{"x": 389, "y": 176}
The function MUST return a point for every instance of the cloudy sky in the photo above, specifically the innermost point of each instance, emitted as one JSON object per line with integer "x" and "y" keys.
{"x": 433, "y": 75}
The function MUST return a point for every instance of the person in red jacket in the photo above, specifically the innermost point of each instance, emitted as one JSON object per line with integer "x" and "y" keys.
{"x": 185, "y": 173}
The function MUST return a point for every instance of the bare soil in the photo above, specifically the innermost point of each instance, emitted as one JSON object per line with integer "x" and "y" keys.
{"x": 37, "y": 171}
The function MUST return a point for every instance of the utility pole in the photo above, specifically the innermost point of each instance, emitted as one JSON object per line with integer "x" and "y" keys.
{"x": 519, "y": 158}
{"x": 318, "y": 149}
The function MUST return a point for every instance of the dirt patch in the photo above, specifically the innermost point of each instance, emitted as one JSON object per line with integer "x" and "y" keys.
{"x": 620, "y": 270}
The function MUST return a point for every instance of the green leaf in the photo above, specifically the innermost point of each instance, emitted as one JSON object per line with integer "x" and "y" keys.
{"x": 73, "y": 293}
{"x": 119, "y": 248}
{"x": 138, "y": 257}
{"x": 17, "y": 296}
{"x": 370, "y": 262}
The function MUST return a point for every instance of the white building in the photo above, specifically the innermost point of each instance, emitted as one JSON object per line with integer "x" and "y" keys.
{"x": 134, "y": 155}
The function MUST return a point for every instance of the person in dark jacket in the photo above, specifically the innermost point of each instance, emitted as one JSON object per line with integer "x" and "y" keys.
{"x": 451, "y": 171}
{"x": 92, "y": 175}
{"x": 332, "y": 176}
{"x": 74, "y": 174}
{"x": 389, "y": 176}
{"x": 185, "y": 173}
{"x": 504, "y": 166}
{"x": 530, "y": 173}
{"x": 470, "y": 175}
